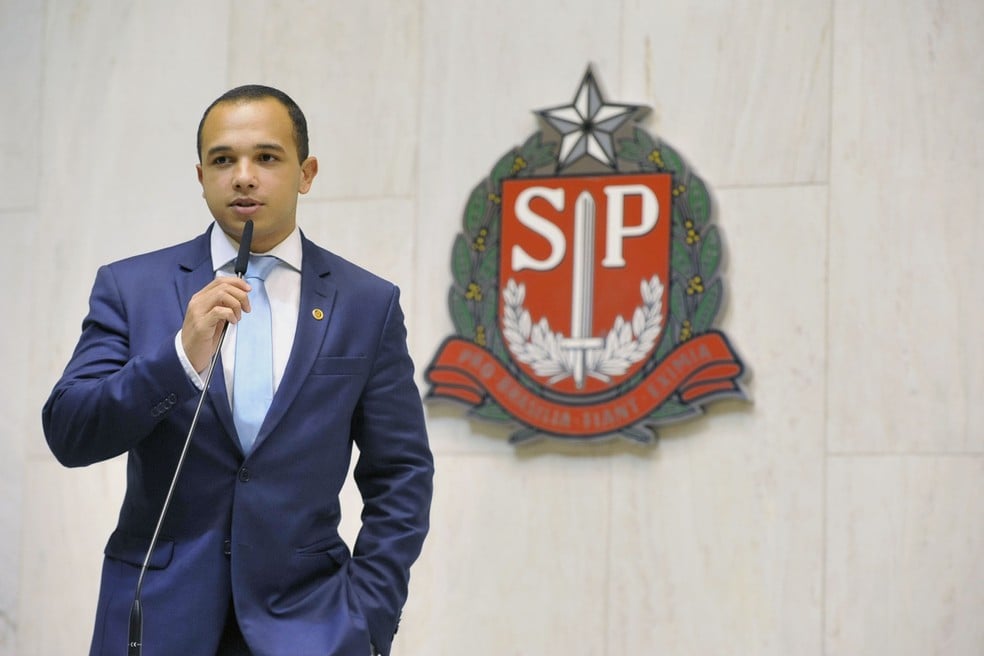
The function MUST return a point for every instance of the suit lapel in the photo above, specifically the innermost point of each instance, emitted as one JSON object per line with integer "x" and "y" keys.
{"x": 313, "y": 318}
{"x": 195, "y": 272}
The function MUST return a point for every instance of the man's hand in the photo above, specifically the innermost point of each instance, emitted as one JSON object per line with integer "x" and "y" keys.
{"x": 222, "y": 300}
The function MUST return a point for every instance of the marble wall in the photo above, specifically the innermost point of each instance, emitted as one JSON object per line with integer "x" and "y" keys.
{"x": 839, "y": 514}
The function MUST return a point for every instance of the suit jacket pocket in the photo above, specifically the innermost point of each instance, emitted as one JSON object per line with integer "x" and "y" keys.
{"x": 316, "y": 563}
{"x": 132, "y": 549}
{"x": 333, "y": 365}
{"x": 332, "y": 548}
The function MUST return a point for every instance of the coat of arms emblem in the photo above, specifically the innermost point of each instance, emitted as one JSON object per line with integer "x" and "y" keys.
{"x": 586, "y": 284}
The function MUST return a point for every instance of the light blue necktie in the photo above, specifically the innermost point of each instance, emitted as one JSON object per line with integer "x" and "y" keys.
{"x": 252, "y": 385}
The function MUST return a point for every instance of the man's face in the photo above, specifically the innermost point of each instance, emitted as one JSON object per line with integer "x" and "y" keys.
{"x": 249, "y": 170}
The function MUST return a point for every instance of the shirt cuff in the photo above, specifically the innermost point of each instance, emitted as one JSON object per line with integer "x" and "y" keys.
{"x": 194, "y": 376}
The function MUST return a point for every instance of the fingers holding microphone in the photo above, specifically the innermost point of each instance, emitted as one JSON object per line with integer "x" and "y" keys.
{"x": 221, "y": 301}
{"x": 216, "y": 305}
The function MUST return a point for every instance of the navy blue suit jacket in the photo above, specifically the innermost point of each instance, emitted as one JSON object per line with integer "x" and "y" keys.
{"x": 258, "y": 531}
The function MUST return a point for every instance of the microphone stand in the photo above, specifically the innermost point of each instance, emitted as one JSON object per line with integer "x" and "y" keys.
{"x": 135, "y": 635}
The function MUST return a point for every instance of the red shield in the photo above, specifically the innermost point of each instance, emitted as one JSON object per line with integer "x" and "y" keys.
{"x": 584, "y": 277}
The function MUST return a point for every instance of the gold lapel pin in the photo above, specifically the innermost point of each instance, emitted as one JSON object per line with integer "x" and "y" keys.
{"x": 317, "y": 314}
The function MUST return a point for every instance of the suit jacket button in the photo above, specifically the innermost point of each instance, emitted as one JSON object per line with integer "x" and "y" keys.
{"x": 244, "y": 475}
{"x": 227, "y": 547}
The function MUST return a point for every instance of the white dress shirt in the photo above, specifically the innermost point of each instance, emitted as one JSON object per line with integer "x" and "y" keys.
{"x": 283, "y": 287}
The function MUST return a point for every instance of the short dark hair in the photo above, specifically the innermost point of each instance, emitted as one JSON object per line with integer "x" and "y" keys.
{"x": 251, "y": 92}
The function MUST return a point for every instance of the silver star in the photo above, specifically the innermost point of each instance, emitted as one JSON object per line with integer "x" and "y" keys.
{"x": 587, "y": 125}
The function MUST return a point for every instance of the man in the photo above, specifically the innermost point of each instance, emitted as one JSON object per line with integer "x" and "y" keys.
{"x": 249, "y": 560}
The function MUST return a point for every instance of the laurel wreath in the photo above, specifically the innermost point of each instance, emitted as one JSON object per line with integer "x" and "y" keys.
{"x": 696, "y": 289}
{"x": 625, "y": 345}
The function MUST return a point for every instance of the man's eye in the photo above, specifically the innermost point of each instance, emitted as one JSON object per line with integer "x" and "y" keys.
{"x": 268, "y": 157}
{"x": 220, "y": 160}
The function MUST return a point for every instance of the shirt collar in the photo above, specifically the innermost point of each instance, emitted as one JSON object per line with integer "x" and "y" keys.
{"x": 225, "y": 249}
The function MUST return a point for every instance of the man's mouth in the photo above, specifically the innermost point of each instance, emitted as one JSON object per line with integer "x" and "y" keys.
{"x": 245, "y": 205}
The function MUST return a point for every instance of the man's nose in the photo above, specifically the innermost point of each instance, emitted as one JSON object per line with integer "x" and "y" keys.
{"x": 245, "y": 176}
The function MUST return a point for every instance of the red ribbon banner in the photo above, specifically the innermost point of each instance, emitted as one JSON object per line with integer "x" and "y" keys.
{"x": 698, "y": 368}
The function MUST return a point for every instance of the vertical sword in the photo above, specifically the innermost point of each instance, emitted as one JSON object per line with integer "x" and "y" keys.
{"x": 582, "y": 291}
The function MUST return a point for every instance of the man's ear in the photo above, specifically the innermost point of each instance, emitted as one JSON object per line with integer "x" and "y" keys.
{"x": 309, "y": 169}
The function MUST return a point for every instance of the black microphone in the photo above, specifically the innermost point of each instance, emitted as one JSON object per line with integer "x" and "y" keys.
{"x": 242, "y": 260}
{"x": 135, "y": 637}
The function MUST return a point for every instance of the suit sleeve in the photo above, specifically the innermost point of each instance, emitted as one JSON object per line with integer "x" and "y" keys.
{"x": 394, "y": 474}
{"x": 109, "y": 399}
